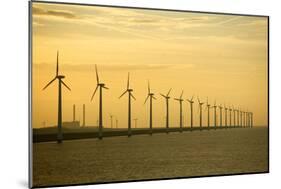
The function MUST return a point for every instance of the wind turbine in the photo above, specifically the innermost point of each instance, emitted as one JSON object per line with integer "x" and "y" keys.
{"x": 241, "y": 118}
{"x": 234, "y": 117}
{"x": 150, "y": 95}
{"x": 215, "y": 114}
{"x": 111, "y": 121}
{"x": 180, "y": 101}
{"x": 238, "y": 116}
{"x": 230, "y": 110}
{"x": 135, "y": 122}
{"x": 191, "y": 111}
{"x": 200, "y": 109}
{"x": 60, "y": 81}
{"x": 167, "y": 97}
{"x": 100, "y": 86}
{"x": 252, "y": 119}
{"x": 208, "y": 113}
{"x": 129, "y": 91}
{"x": 225, "y": 115}
{"x": 244, "y": 119}
{"x": 220, "y": 107}
{"x": 247, "y": 125}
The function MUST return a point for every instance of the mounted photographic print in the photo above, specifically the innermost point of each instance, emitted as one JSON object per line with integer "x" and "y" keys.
{"x": 120, "y": 94}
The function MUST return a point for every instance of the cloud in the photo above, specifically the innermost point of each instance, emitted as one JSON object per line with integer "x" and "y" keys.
{"x": 55, "y": 13}
{"x": 109, "y": 67}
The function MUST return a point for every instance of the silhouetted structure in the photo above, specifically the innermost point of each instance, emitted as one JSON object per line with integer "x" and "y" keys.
{"x": 208, "y": 113}
{"x": 60, "y": 82}
{"x": 200, "y": 110}
{"x": 180, "y": 101}
{"x": 167, "y": 97}
{"x": 215, "y": 115}
{"x": 230, "y": 118}
{"x": 111, "y": 121}
{"x": 234, "y": 118}
{"x": 225, "y": 115}
{"x": 74, "y": 119}
{"x": 191, "y": 111}
{"x": 151, "y": 96}
{"x": 220, "y": 107}
{"x": 241, "y": 118}
{"x": 100, "y": 86}
{"x": 129, "y": 91}
{"x": 244, "y": 119}
{"x": 84, "y": 112}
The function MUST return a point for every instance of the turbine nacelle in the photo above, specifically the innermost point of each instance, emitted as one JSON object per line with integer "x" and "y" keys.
{"x": 60, "y": 76}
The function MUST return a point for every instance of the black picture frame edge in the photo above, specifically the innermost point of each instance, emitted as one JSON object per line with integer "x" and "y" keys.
{"x": 30, "y": 46}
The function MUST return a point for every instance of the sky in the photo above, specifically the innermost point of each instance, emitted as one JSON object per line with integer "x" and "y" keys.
{"x": 219, "y": 57}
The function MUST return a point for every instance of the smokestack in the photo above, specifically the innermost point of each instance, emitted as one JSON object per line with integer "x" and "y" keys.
{"x": 73, "y": 112}
{"x": 83, "y": 115}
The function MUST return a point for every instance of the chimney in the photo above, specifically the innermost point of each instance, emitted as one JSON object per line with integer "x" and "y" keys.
{"x": 73, "y": 112}
{"x": 83, "y": 115}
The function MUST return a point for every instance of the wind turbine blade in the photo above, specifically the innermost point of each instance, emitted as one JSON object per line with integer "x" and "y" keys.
{"x": 181, "y": 94}
{"x": 146, "y": 99}
{"x": 128, "y": 81}
{"x": 154, "y": 98}
{"x": 133, "y": 96}
{"x": 105, "y": 87}
{"x": 123, "y": 94}
{"x": 192, "y": 97}
{"x": 169, "y": 92}
{"x": 49, "y": 83}
{"x": 177, "y": 99}
{"x": 148, "y": 87}
{"x": 94, "y": 92}
{"x": 163, "y": 95}
{"x": 65, "y": 85}
{"x": 57, "y": 73}
{"x": 207, "y": 101}
{"x": 97, "y": 75}
{"x": 198, "y": 99}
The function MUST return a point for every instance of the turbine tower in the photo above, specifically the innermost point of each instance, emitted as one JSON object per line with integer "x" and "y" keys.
{"x": 84, "y": 115}
{"x": 220, "y": 107}
{"x": 252, "y": 119}
{"x": 238, "y": 115}
{"x": 180, "y": 101}
{"x": 60, "y": 82}
{"x": 200, "y": 109}
{"x": 225, "y": 115}
{"x": 241, "y": 118}
{"x": 111, "y": 121}
{"x": 100, "y": 86}
{"x": 244, "y": 119}
{"x": 150, "y": 95}
{"x": 191, "y": 111}
{"x": 208, "y": 113}
{"x": 230, "y": 110}
{"x": 215, "y": 115}
{"x": 167, "y": 97}
{"x": 129, "y": 91}
{"x": 234, "y": 117}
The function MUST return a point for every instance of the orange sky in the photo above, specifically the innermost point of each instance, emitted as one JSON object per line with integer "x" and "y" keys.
{"x": 223, "y": 57}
